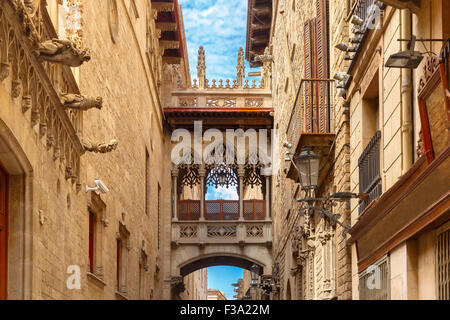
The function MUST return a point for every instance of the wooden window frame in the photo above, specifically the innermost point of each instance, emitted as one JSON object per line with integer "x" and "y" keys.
{"x": 434, "y": 75}
{"x": 96, "y": 224}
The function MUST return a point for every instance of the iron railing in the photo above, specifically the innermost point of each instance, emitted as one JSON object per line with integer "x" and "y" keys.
{"x": 221, "y": 210}
{"x": 374, "y": 282}
{"x": 443, "y": 265}
{"x": 361, "y": 7}
{"x": 313, "y": 109}
{"x": 369, "y": 171}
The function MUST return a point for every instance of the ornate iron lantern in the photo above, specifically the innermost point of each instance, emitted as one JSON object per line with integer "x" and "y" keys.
{"x": 307, "y": 164}
{"x": 254, "y": 269}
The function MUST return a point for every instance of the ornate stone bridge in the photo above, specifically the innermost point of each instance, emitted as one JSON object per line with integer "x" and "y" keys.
{"x": 237, "y": 232}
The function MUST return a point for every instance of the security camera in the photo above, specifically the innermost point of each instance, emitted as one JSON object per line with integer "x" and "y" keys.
{"x": 357, "y": 20}
{"x": 99, "y": 186}
{"x": 287, "y": 145}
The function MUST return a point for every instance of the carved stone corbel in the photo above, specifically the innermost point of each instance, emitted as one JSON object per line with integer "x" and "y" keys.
{"x": 16, "y": 88}
{"x": 63, "y": 52}
{"x": 80, "y": 102}
{"x": 5, "y": 68}
{"x": 99, "y": 147}
{"x": 177, "y": 286}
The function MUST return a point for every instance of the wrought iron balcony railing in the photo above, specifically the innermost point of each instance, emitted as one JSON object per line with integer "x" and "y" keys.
{"x": 369, "y": 171}
{"x": 313, "y": 109}
{"x": 221, "y": 210}
{"x": 36, "y": 85}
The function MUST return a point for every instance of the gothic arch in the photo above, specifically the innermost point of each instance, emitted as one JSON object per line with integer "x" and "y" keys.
{"x": 20, "y": 224}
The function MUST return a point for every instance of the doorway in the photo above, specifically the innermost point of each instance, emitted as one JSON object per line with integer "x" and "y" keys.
{"x": 3, "y": 234}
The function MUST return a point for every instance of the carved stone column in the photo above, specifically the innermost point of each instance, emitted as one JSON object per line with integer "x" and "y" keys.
{"x": 241, "y": 173}
{"x": 268, "y": 213}
{"x": 202, "y": 174}
{"x": 175, "y": 172}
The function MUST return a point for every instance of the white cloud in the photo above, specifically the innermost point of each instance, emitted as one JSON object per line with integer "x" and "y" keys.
{"x": 220, "y": 27}
{"x": 222, "y": 193}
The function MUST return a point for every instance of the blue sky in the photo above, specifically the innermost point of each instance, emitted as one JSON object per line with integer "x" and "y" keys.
{"x": 220, "y": 26}
{"x": 222, "y": 277}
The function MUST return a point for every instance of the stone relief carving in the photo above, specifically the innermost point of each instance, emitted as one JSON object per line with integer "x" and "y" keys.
{"x": 80, "y": 102}
{"x": 63, "y": 52}
{"x": 100, "y": 147}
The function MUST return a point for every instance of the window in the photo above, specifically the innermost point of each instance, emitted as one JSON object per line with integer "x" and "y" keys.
{"x": 369, "y": 161}
{"x": 374, "y": 282}
{"x": 443, "y": 265}
{"x": 96, "y": 209}
{"x": 159, "y": 216}
{"x": 122, "y": 248}
{"x": 91, "y": 241}
{"x": 147, "y": 182}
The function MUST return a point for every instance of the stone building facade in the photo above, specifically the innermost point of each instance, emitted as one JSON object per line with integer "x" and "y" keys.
{"x": 196, "y": 286}
{"x": 395, "y": 223}
{"x": 62, "y": 241}
{"x": 306, "y": 261}
{"x": 391, "y": 116}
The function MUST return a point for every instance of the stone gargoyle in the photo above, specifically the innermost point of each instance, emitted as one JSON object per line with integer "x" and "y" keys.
{"x": 100, "y": 147}
{"x": 80, "y": 102}
{"x": 63, "y": 52}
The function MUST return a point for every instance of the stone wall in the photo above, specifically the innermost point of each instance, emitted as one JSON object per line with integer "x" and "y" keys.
{"x": 126, "y": 73}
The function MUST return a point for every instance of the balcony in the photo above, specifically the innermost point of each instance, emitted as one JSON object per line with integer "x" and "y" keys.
{"x": 221, "y": 210}
{"x": 35, "y": 85}
{"x": 369, "y": 172}
{"x": 222, "y": 103}
{"x": 221, "y": 232}
{"x": 311, "y": 122}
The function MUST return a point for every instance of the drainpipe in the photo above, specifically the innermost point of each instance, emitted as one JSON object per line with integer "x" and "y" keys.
{"x": 406, "y": 98}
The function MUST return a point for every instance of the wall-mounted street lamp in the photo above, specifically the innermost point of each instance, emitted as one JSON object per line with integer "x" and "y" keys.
{"x": 409, "y": 58}
{"x": 254, "y": 269}
{"x": 406, "y": 59}
{"x": 307, "y": 164}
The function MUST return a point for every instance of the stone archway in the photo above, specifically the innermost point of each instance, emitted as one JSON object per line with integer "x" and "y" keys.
{"x": 19, "y": 232}
{"x": 221, "y": 260}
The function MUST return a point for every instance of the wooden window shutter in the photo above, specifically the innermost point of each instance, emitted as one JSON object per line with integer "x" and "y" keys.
{"x": 321, "y": 107}
{"x": 308, "y": 47}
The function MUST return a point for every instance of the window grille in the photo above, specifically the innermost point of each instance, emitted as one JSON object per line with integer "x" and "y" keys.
{"x": 443, "y": 265}
{"x": 374, "y": 281}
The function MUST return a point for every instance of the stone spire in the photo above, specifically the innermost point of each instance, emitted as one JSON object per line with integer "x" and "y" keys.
{"x": 201, "y": 68}
{"x": 266, "y": 69}
{"x": 240, "y": 68}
